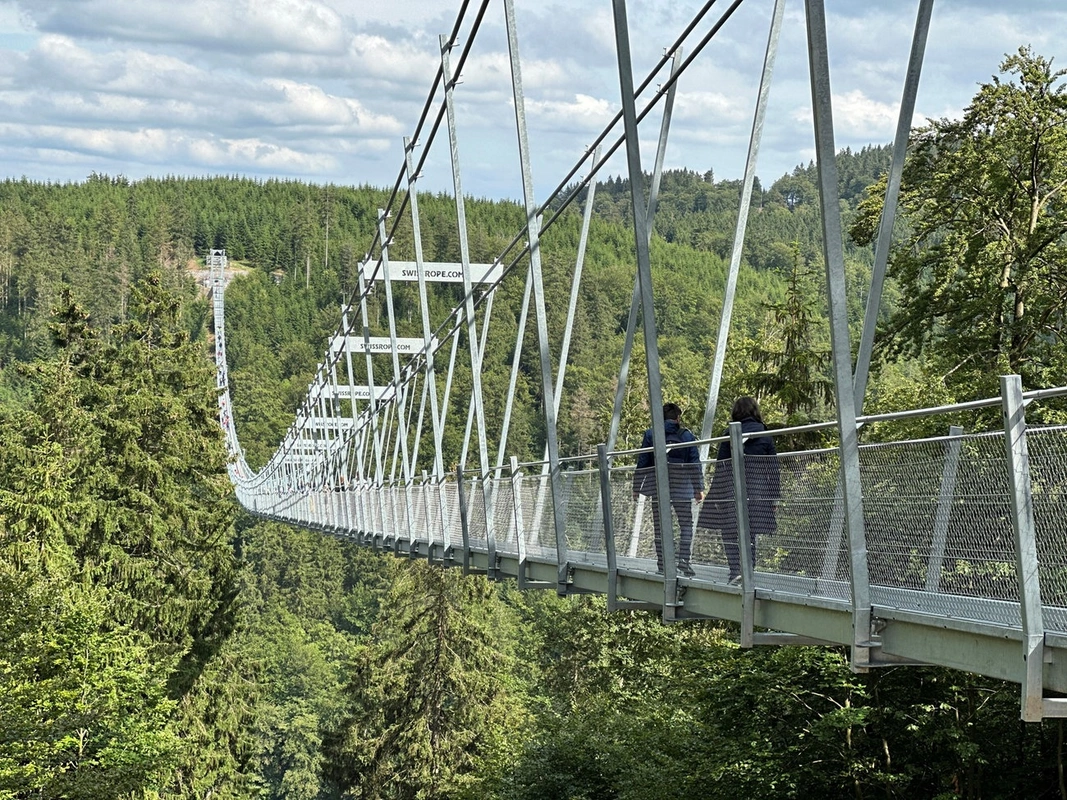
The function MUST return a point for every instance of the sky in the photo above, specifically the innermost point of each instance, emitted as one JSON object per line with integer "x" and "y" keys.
{"x": 325, "y": 90}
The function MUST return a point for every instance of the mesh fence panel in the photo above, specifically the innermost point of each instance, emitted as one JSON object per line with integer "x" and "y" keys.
{"x": 504, "y": 516}
{"x": 980, "y": 541}
{"x": 475, "y": 512}
{"x": 939, "y": 527}
{"x": 632, "y": 518}
{"x": 808, "y": 542}
{"x": 901, "y": 497}
{"x": 537, "y": 515}
{"x": 452, "y": 525}
{"x": 419, "y": 528}
{"x": 582, "y": 517}
{"x": 373, "y": 500}
{"x": 1048, "y": 482}
{"x": 531, "y": 489}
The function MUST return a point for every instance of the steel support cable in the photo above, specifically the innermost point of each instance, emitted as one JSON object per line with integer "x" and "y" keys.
{"x": 455, "y": 318}
{"x": 660, "y": 93}
{"x": 452, "y": 38}
{"x": 432, "y": 135}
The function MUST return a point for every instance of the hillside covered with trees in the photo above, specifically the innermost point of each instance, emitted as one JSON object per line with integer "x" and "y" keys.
{"x": 156, "y": 642}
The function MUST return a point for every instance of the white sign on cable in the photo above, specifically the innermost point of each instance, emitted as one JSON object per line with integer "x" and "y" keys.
{"x": 441, "y": 272}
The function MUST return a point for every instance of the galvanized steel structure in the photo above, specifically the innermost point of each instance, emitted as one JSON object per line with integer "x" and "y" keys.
{"x": 948, "y": 551}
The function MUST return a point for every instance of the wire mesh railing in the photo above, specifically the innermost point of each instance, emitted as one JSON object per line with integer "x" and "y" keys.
{"x": 938, "y": 520}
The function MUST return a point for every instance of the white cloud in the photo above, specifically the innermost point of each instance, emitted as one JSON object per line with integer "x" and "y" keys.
{"x": 317, "y": 88}
{"x": 246, "y": 25}
{"x": 856, "y": 115}
{"x": 306, "y": 104}
{"x": 583, "y": 113}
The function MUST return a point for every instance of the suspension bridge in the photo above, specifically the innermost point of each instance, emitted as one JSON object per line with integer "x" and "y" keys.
{"x": 947, "y": 551}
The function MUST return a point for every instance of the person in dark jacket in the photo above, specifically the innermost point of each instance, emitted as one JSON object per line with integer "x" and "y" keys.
{"x": 685, "y": 477}
{"x": 762, "y": 484}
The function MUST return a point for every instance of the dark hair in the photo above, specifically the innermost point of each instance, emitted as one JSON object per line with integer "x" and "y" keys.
{"x": 672, "y": 411}
{"x": 745, "y": 407}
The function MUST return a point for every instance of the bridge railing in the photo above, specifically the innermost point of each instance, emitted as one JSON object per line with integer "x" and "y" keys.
{"x": 938, "y": 519}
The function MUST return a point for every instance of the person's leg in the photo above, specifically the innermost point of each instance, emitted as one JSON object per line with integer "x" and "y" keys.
{"x": 684, "y": 509}
{"x": 655, "y": 533}
{"x": 732, "y": 547}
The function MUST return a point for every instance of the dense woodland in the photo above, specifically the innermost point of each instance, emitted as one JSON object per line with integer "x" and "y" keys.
{"x": 156, "y": 642}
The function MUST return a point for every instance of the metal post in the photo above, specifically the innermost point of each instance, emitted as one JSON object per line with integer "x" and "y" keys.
{"x": 748, "y": 578}
{"x": 635, "y": 297}
{"x": 730, "y": 291}
{"x": 648, "y": 312}
{"x": 471, "y": 407}
{"x": 516, "y": 363}
{"x": 944, "y": 509}
{"x": 372, "y": 403}
{"x": 419, "y": 424}
{"x": 609, "y": 526}
{"x": 1014, "y": 409}
{"x": 468, "y": 298}
{"x": 892, "y": 193}
{"x": 448, "y": 377}
{"x": 839, "y": 337}
{"x": 533, "y": 230}
{"x": 424, "y": 308}
{"x": 463, "y": 520}
{"x": 399, "y": 396}
{"x": 565, "y": 348}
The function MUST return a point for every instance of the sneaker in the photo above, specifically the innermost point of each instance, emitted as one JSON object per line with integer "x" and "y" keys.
{"x": 686, "y": 569}
{"x": 735, "y": 580}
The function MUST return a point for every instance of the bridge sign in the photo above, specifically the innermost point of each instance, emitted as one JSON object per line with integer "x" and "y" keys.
{"x": 346, "y": 392}
{"x": 375, "y": 344}
{"x": 441, "y": 272}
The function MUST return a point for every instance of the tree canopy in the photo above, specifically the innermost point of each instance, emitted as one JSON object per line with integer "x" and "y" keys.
{"x": 984, "y": 212}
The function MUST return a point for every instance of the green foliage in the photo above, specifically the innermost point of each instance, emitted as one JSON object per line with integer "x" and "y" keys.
{"x": 84, "y": 703}
{"x": 117, "y": 569}
{"x": 434, "y": 702}
{"x": 985, "y": 227}
{"x": 792, "y": 357}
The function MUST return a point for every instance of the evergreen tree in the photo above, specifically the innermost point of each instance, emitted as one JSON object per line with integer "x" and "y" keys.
{"x": 435, "y": 704}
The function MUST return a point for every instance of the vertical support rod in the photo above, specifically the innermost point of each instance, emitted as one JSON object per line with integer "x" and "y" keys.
{"x": 944, "y": 509}
{"x": 748, "y": 578}
{"x": 463, "y": 520}
{"x": 400, "y": 386}
{"x": 516, "y": 363}
{"x": 635, "y": 298}
{"x": 892, "y": 193}
{"x": 468, "y": 299}
{"x": 399, "y": 396}
{"x": 609, "y": 526}
{"x": 818, "y": 59}
{"x": 372, "y": 404}
{"x": 424, "y": 308}
{"x": 648, "y": 312}
{"x": 1022, "y": 507}
{"x": 518, "y": 521}
{"x": 533, "y": 230}
{"x": 754, "y": 141}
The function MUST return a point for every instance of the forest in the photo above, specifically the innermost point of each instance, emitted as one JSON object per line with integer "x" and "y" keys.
{"x": 158, "y": 642}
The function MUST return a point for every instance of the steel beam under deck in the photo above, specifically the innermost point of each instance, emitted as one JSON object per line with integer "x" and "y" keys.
{"x": 904, "y": 637}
